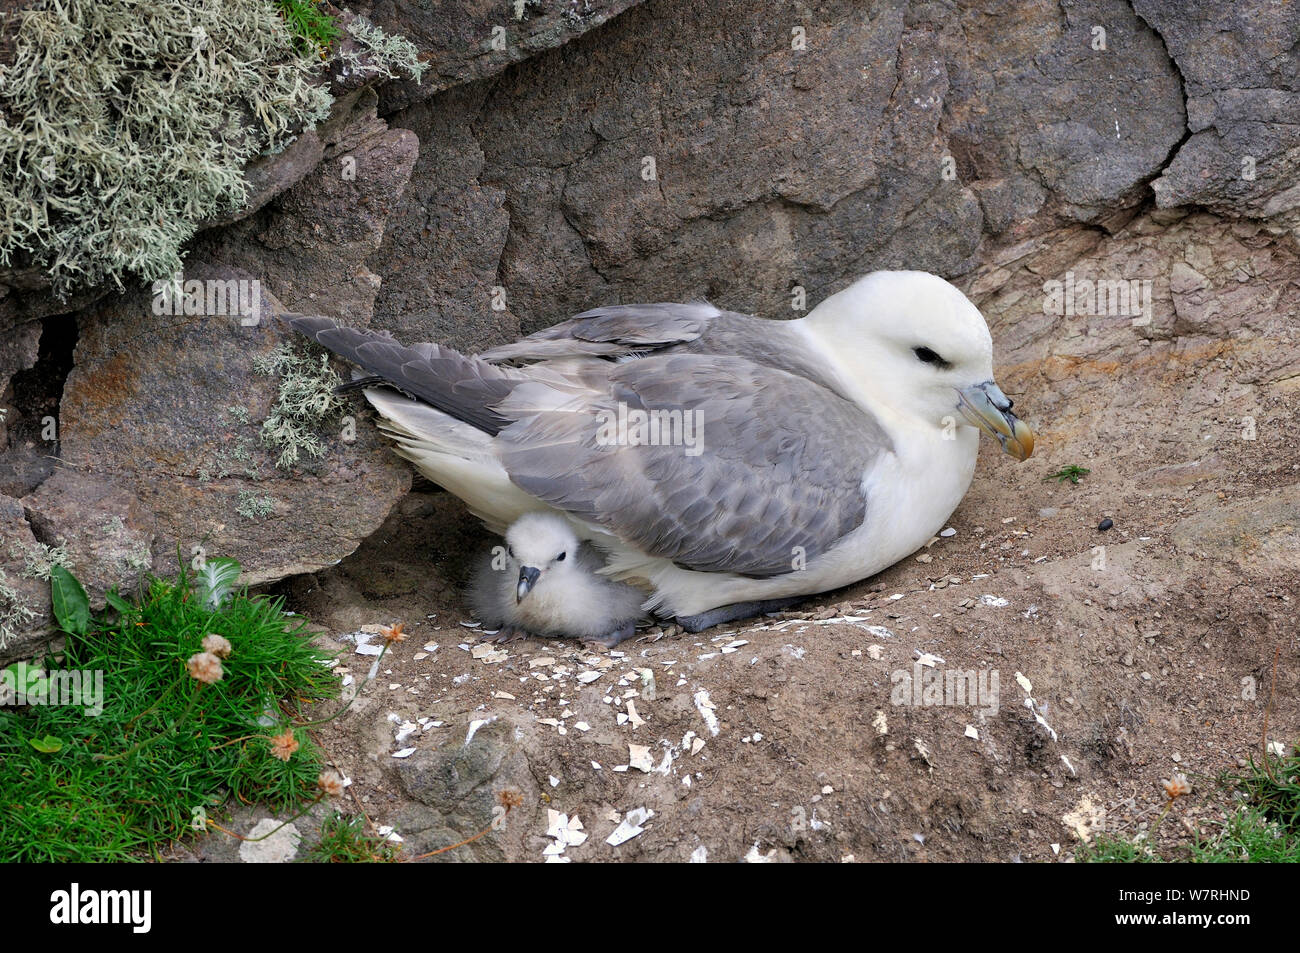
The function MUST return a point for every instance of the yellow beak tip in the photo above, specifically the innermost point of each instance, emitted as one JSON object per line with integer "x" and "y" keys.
{"x": 1021, "y": 445}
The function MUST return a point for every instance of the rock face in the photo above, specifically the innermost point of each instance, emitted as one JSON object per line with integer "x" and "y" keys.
{"x": 1241, "y": 68}
{"x": 159, "y": 424}
{"x": 727, "y": 153}
{"x": 562, "y": 154}
{"x": 464, "y": 40}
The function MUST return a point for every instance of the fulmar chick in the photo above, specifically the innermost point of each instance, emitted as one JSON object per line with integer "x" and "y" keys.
{"x": 547, "y": 584}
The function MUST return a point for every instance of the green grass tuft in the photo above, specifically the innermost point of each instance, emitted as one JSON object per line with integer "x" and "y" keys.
{"x": 1265, "y": 830}
{"x": 1073, "y": 473}
{"x": 1108, "y": 849}
{"x": 343, "y": 840}
{"x": 128, "y": 781}
{"x": 314, "y": 30}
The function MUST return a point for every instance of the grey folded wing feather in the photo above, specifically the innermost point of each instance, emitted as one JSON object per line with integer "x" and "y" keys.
{"x": 611, "y": 332}
{"x": 779, "y": 477}
{"x": 453, "y": 383}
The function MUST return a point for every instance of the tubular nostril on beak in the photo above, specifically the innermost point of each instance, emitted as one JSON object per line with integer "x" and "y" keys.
{"x": 527, "y": 579}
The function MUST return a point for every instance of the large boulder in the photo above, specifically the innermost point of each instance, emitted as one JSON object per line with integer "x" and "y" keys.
{"x": 160, "y": 422}
{"x": 1241, "y": 68}
{"x": 725, "y": 153}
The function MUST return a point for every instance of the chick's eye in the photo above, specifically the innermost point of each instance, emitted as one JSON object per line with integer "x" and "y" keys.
{"x": 928, "y": 356}
{"x": 510, "y": 552}
{"x": 560, "y": 558}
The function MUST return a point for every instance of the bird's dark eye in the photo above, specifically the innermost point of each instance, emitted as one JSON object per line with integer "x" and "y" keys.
{"x": 927, "y": 356}
{"x": 560, "y": 558}
{"x": 510, "y": 552}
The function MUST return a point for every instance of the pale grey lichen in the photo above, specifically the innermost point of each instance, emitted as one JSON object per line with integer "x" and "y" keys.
{"x": 112, "y": 526}
{"x": 15, "y": 613}
{"x": 252, "y": 506}
{"x": 305, "y": 403}
{"x": 125, "y": 123}
{"x": 382, "y": 55}
{"x": 38, "y": 558}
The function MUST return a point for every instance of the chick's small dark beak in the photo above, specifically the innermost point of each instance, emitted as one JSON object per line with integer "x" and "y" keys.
{"x": 527, "y": 579}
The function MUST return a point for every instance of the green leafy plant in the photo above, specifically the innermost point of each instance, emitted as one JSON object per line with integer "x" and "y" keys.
{"x": 1072, "y": 473}
{"x": 71, "y": 605}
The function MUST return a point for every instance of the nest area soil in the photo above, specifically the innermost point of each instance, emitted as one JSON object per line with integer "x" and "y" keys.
{"x": 1152, "y": 656}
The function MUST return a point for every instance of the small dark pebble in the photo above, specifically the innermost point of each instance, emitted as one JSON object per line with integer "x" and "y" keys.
{"x": 1105, "y": 524}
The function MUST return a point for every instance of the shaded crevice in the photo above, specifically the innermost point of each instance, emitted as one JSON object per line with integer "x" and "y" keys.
{"x": 1182, "y": 88}
{"x": 38, "y": 390}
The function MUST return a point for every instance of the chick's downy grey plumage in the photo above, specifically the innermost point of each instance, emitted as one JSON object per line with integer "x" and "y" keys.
{"x": 548, "y": 584}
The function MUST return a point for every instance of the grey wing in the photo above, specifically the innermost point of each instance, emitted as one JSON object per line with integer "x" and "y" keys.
{"x": 611, "y": 332}
{"x": 778, "y": 473}
{"x": 453, "y": 383}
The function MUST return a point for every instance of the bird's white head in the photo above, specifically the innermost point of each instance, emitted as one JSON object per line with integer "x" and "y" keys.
{"x": 540, "y": 545}
{"x": 916, "y": 347}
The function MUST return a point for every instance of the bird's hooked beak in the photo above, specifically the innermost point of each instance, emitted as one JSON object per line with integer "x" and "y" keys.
{"x": 986, "y": 407}
{"x": 527, "y": 579}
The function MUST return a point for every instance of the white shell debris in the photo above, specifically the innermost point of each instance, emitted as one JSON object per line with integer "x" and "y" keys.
{"x": 997, "y": 602}
{"x": 630, "y": 826}
{"x": 879, "y": 723}
{"x": 475, "y": 725}
{"x": 566, "y": 831}
{"x": 948, "y": 532}
{"x": 404, "y": 753}
{"x": 971, "y": 732}
{"x": 362, "y": 638}
{"x": 636, "y": 720}
{"x": 649, "y": 690}
{"x": 488, "y": 653}
{"x": 704, "y": 705}
{"x": 638, "y": 756}
{"x": 700, "y": 855}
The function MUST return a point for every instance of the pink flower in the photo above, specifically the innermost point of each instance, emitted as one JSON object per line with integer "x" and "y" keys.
{"x": 205, "y": 667}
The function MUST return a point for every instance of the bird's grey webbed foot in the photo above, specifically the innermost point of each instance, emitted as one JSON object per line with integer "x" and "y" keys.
{"x": 503, "y": 635}
{"x": 616, "y": 636}
{"x": 737, "y": 610}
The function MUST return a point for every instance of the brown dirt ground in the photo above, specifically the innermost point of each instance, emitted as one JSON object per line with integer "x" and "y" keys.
{"x": 1143, "y": 668}
{"x": 1152, "y": 656}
